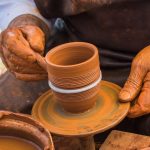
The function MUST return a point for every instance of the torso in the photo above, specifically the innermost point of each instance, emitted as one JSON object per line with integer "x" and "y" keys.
{"x": 120, "y": 31}
{"x": 123, "y": 27}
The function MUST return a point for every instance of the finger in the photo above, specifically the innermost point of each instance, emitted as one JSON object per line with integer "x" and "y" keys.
{"x": 134, "y": 82}
{"x": 142, "y": 105}
{"x": 135, "y": 111}
{"x": 35, "y": 37}
{"x": 6, "y": 57}
{"x": 41, "y": 61}
{"x": 23, "y": 66}
{"x": 138, "y": 109}
{"x": 30, "y": 77}
{"x": 13, "y": 40}
{"x": 24, "y": 70}
{"x": 19, "y": 65}
{"x": 39, "y": 65}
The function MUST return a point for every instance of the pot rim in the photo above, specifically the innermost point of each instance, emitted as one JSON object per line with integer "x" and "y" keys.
{"x": 68, "y": 45}
{"x": 26, "y": 121}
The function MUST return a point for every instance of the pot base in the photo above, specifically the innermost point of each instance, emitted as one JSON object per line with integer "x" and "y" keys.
{"x": 106, "y": 113}
{"x": 78, "y": 103}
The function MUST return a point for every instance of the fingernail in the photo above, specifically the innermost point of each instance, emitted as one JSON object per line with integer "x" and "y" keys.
{"x": 124, "y": 95}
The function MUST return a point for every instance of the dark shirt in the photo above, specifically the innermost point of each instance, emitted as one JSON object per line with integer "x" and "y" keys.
{"x": 120, "y": 29}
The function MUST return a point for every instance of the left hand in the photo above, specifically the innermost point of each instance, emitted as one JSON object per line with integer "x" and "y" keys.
{"x": 21, "y": 48}
{"x": 137, "y": 85}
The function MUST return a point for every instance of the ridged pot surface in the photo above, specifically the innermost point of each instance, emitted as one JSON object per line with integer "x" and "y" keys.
{"x": 71, "y": 66}
{"x": 23, "y": 127}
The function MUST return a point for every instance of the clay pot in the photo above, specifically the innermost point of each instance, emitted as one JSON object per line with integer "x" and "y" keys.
{"x": 24, "y": 128}
{"x": 71, "y": 66}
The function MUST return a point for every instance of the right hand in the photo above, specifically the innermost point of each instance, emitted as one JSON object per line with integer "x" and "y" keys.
{"x": 20, "y": 49}
{"x": 137, "y": 86}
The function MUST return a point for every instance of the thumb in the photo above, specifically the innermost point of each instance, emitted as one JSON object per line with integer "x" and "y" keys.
{"x": 41, "y": 61}
{"x": 134, "y": 82}
{"x": 35, "y": 37}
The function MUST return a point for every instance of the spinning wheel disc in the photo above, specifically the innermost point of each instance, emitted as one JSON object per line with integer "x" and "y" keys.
{"x": 106, "y": 113}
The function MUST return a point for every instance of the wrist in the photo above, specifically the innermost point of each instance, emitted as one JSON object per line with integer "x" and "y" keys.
{"x": 28, "y": 19}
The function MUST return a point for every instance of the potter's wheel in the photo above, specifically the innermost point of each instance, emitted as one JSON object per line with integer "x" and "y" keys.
{"x": 106, "y": 113}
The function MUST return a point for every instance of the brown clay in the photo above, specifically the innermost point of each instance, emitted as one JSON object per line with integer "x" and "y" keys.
{"x": 35, "y": 37}
{"x": 79, "y": 102}
{"x": 126, "y": 141}
{"x": 16, "y": 144}
{"x": 71, "y": 66}
{"x": 22, "y": 129}
{"x": 14, "y": 41}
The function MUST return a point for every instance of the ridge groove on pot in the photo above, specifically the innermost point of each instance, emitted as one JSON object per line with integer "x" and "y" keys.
{"x": 76, "y": 82}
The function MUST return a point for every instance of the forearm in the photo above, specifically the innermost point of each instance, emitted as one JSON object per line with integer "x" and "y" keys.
{"x": 62, "y": 8}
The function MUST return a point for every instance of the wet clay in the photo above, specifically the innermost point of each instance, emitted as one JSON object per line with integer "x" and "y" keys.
{"x": 15, "y": 143}
{"x": 21, "y": 132}
{"x": 73, "y": 66}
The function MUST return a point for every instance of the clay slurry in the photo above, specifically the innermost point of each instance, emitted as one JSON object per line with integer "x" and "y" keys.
{"x": 15, "y": 143}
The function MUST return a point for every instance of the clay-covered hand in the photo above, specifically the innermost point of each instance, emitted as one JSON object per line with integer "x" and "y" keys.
{"x": 20, "y": 47}
{"x": 137, "y": 87}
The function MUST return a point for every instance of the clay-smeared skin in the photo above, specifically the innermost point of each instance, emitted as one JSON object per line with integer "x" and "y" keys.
{"x": 148, "y": 148}
{"x": 19, "y": 48}
{"x": 35, "y": 37}
{"x": 138, "y": 84}
{"x": 17, "y": 143}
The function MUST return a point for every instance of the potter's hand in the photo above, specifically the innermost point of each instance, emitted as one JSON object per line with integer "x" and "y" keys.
{"x": 138, "y": 85}
{"x": 19, "y": 49}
